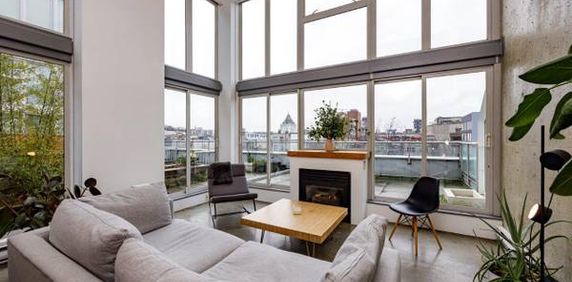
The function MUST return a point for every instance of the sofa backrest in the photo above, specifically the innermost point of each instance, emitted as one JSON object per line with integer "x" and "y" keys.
{"x": 90, "y": 236}
{"x": 145, "y": 206}
{"x": 358, "y": 257}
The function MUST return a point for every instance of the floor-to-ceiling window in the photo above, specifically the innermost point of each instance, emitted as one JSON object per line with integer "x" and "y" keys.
{"x": 337, "y": 39}
{"x": 190, "y": 36}
{"x": 351, "y": 101}
{"x": 47, "y": 14}
{"x": 452, "y": 148}
{"x": 190, "y": 97}
{"x": 269, "y": 130}
{"x": 253, "y": 37}
{"x": 254, "y": 138}
{"x": 35, "y": 112}
{"x": 407, "y": 75}
{"x": 175, "y": 140}
{"x": 398, "y": 135}
{"x": 189, "y": 138}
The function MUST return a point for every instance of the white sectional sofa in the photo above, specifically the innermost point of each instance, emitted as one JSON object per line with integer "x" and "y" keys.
{"x": 131, "y": 236}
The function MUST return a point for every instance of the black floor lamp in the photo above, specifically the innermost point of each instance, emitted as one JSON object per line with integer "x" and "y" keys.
{"x": 540, "y": 213}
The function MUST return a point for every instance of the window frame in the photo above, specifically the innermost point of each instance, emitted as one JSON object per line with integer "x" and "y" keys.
{"x": 492, "y": 135}
{"x": 67, "y": 19}
{"x": 301, "y": 133}
{"x": 29, "y": 41}
{"x": 493, "y": 21}
{"x": 427, "y": 62}
{"x": 189, "y": 190}
{"x": 189, "y": 38}
{"x": 267, "y": 96}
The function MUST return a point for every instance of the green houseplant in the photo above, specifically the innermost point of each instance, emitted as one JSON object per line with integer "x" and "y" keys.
{"x": 31, "y": 142}
{"x": 512, "y": 256}
{"x": 553, "y": 75}
{"x": 329, "y": 124}
{"x": 515, "y": 257}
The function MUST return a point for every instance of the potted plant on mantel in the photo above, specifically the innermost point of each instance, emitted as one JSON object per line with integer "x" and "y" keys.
{"x": 329, "y": 124}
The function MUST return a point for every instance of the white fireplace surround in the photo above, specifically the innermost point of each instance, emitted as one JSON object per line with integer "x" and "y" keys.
{"x": 356, "y": 168}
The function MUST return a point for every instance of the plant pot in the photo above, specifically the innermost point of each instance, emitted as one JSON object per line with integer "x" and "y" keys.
{"x": 329, "y": 146}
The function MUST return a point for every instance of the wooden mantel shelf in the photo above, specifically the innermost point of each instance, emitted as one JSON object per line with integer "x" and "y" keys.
{"x": 344, "y": 155}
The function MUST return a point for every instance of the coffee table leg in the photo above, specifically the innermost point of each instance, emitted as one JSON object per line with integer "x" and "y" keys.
{"x": 313, "y": 253}
{"x": 262, "y": 236}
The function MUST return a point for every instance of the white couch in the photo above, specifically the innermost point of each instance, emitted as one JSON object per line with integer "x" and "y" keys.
{"x": 176, "y": 250}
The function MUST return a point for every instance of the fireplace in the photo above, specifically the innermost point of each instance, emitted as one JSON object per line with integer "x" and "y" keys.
{"x": 326, "y": 187}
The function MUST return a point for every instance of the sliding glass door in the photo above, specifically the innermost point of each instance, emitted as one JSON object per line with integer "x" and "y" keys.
{"x": 398, "y": 138}
{"x": 434, "y": 125}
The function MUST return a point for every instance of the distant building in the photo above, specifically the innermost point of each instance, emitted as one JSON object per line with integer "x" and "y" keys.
{"x": 288, "y": 125}
{"x": 471, "y": 124}
{"x": 357, "y": 125}
{"x": 445, "y": 129}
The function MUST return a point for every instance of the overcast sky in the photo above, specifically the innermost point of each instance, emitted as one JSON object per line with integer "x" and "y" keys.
{"x": 333, "y": 40}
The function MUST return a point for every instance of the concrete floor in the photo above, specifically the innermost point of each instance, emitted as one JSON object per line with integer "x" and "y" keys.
{"x": 458, "y": 261}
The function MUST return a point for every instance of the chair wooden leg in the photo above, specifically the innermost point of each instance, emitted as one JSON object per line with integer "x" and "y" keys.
{"x": 434, "y": 233}
{"x": 415, "y": 234}
{"x": 395, "y": 226}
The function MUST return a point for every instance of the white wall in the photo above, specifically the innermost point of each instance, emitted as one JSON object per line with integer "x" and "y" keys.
{"x": 228, "y": 74}
{"x": 119, "y": 78}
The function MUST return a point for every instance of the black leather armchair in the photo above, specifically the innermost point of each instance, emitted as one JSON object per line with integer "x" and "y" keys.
{"x": 229, "y": 192}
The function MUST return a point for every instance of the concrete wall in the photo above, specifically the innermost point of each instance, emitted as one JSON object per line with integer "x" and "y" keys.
{"x": 119, "y": 78}
{"x": 534, "y": 32}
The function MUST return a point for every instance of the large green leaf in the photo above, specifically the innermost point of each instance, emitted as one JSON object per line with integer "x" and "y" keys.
{"x": 530, "y": 108}
{"x": 562, "y": 118}
{"x": 562, "y": 184}
{"x": 553, "y": 72}
{"x": 519, "y": 132}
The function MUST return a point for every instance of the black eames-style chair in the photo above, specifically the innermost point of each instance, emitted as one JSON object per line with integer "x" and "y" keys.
{"x": 415, "y": 210}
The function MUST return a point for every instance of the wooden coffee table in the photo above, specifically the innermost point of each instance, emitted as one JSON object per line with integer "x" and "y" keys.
{"x": 313, "y": 225}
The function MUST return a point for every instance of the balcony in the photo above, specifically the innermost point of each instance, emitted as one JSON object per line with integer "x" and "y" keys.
{"x": 397, "y": 165}
{"x": 202, "y": 154}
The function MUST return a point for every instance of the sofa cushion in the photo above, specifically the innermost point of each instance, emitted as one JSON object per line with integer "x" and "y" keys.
{"x": 139, "y": 262}
{"x": 89, "y": 236}
{"x": 257, "y": 262}
{"x": 146, "y": 207}
{"x": 358, "y": 256}
{"x": 192, "y": 246}
{"x": 32, "y": 258}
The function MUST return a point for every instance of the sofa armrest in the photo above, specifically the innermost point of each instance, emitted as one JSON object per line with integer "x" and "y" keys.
{"x": 389, "y": 266}
{"x": 32, "y": 258}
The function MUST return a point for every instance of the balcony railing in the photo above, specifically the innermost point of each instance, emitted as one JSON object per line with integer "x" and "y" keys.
{"x": 450, "y": 160}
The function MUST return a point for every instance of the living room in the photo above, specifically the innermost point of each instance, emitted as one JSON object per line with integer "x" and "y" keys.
{"x": 346, "y": 140}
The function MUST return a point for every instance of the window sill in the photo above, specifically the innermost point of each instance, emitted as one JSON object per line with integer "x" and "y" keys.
{"x": 274, "y": 189}
{"x": 193, "y": 192}
{"x": 451, "y": 212}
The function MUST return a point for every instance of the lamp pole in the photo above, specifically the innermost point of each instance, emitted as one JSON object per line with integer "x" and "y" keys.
{"x": 542, "y": 149}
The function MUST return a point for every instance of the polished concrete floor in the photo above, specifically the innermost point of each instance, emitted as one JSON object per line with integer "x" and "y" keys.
{"x": 458, "y": 261}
